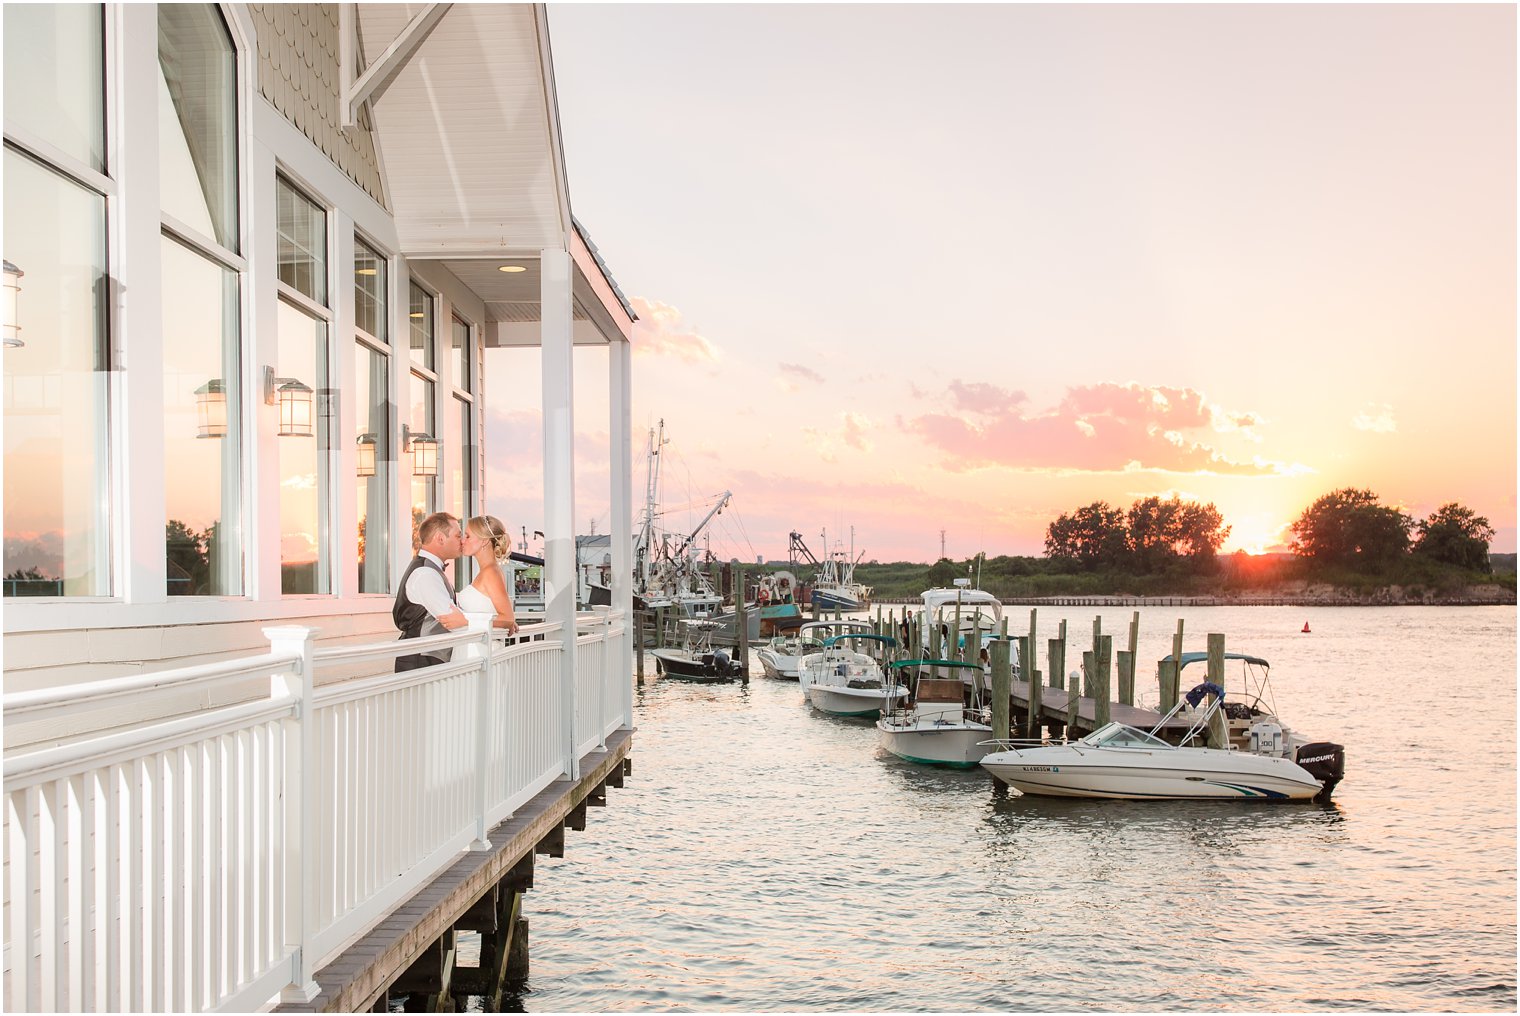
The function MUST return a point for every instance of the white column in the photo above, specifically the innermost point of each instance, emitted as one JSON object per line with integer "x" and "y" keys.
{"x": 620, "y": 466}
{"x": 136, "y": 266}
{"x": 557, "y": 337}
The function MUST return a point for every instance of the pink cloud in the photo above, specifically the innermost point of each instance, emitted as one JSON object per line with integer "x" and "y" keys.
{"x": 794, "y": 376}
{"x": 1095, "y": 428}
{"x": 662, "y": 331}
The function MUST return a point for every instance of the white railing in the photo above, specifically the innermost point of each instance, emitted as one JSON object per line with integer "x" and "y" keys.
{"x": 211, "y": 859}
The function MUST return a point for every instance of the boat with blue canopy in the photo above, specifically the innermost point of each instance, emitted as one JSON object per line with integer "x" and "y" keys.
{"x": 948, "y": 723}
{"x": 849, "y": 677}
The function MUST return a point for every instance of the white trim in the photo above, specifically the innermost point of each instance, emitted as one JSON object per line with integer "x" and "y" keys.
{"x": 551, "y": 119}
{"x": 293, "y": 296}
{"x": 370, "y": 85}
{"x": 203, "y": 244}
{"x": 343, "y": 492}
{"x": 61, "y": 162}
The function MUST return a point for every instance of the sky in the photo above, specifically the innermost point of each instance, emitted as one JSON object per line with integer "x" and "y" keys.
{"x": 942, "y": 273}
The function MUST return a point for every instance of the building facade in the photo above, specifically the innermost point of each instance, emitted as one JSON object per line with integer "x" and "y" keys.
{"x": 254, "y": 255}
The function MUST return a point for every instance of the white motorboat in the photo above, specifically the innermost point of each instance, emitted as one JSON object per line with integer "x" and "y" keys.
{"x": 1257, "y": 758}
{"x": 781, "y": 656}
{"x": 975, "y": 615}
{"x": 939, "y": 728}
{"x": 843, "y": 681}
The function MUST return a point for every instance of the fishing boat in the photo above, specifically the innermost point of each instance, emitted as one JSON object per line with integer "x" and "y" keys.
{"x": 697, "y": 659}
{"x": 781, "y": 656}
{"x": 842, "y": 680}
{"x": 1253, "y": 755}
{"x": 939, "y": 728}
{"x": 833, "y": 586}
{"x": 666, "y": 572}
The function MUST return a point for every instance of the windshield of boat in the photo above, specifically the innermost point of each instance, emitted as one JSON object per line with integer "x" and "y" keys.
{"x": 1122, "y": 735}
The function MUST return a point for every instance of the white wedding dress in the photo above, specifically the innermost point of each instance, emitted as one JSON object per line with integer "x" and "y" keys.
{"x": 473, "y": 601}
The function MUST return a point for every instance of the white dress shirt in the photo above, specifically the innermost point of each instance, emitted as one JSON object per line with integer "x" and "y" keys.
{"x": 429, "y": 589}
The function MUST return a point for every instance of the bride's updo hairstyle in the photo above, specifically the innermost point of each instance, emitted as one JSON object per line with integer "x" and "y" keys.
{"x": 490, "y": 529}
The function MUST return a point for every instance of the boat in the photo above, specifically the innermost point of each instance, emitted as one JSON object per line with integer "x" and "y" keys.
{"x": 697, "y": 659}
{"x": 666, "y": 572}
{"x": 781, "y": 656}
{"x": 975, "y": 614}
{"x": 843, "y": 680}
{"x": 939, "y": 728}
{"x": 833, "y": 586}
{"x": 1254, "y": 757}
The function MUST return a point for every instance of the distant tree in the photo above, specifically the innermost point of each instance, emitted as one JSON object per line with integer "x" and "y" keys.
{"x": 943, "y": 573}
{"x": 1350, "y": 527}
{"x": 1201, "y": 531}
{"x": 1093, "y": 536}
{"x": 32, "y": 574}
{"x": 1153, "y": 532}
{"x": 1455, "y": 535}
{"x": 189, "y": 567}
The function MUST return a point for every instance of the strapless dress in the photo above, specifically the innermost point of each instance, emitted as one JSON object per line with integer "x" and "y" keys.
{"x": 473, "y": 601}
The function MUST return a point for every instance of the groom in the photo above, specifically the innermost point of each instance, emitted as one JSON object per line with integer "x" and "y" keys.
{"x": 425, "y": 592}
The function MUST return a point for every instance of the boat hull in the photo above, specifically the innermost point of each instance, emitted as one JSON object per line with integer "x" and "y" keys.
{"x": 682, "y": 666}
{"x": 1193, "y": 774}
{"x": 952, "y": 746}
{"x": 778, "y": 665}
{"x": 836, "y": 599}
{"x": 838, "y": 701}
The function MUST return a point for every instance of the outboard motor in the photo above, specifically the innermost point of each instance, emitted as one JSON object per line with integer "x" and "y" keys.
{"x": 720, "y": 663}
{"x": 1325, "y": 762}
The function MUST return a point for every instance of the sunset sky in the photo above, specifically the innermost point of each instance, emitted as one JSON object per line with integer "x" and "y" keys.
{"x": 912, "y": 269}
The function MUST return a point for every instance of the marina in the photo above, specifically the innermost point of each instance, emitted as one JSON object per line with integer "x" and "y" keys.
{"x": 843, "y": 878}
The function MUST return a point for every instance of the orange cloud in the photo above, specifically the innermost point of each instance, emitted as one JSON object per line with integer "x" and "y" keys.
{"x": 1095, "y": 428}
{"x": 661, "y": 330}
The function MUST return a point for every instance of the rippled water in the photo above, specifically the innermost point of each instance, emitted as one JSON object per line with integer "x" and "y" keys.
{"x": 765, "y": 857}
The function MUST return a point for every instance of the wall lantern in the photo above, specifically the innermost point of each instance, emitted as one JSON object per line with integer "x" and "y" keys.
{"x": 294, "y": 400}
{"x": 12, "y": 291}
{"x": 366, "y": 455}
{"x": 424, "y": 455}
{"x": 211, "y": 409}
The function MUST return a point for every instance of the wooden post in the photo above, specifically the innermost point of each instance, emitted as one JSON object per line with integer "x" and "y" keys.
{"x": 1166, "y": 679}
{"x": 1002, "y": 677}
{"x": 1219, "y": 735}
{"x": 659, "y": 627}
{"x": 1073, "y": 698}
{"x": 955, "y": 636}
{"x": 1100, "y": 693}
{"x": 1177, "y": 647}
{"x": 1134, "y": 636}
{"x": 741, "y": 627}
{"x": 936, "y": 640}
{"x": 1126, "y": 668}
{"x": 1058, "y": 658}
{"x": 1097, "y": 632}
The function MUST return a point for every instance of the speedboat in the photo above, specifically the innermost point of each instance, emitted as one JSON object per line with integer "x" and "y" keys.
{"x": 1267, "y": 762}
{"x": 697, "y": 659}
{"x": 939, "y": 728}
{"x": 781, "y": 656}
{"x": 844, "y": 681}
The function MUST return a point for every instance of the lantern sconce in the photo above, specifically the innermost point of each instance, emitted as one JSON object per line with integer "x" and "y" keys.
{"x": 424, "y": 449}
{"x": 366, "y": 455}
{"x": 12, "y": 291}
{"x": 211, "y": 409}
{"x": 294, "y": 400}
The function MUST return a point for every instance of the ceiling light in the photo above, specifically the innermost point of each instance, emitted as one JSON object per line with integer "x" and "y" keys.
{"x": 512, "y": 268}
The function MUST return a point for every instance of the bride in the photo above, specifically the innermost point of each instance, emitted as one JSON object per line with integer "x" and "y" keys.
{"x": 486, "y": 540}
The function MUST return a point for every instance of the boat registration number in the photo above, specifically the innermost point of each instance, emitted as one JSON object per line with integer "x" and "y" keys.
{"x": 1041, "y": 769}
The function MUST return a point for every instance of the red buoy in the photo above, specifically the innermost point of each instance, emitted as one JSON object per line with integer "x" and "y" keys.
{"x": 1306, "y": 627}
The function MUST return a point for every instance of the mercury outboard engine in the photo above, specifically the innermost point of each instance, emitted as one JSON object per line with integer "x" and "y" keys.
{"x": 1325, "y": 762}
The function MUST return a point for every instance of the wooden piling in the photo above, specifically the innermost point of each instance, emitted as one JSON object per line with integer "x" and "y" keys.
{"x": 1218, "y": 726}
{"x": 1102, "y": 712}
{"x": 1166, "y": 680}
{"x": 1002, "y": 679}
{"x": 1073, "y": 697}
{"x": 1126, "y": 668}
{"x": 741, "y": 628}
{"x": 1058, "y": 658}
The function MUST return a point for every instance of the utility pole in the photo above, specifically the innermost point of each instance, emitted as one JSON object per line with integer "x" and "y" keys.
{"x": 941, "y": 544}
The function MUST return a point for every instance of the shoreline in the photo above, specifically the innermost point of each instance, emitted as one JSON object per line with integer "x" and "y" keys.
{"x": 1321, "y": 596}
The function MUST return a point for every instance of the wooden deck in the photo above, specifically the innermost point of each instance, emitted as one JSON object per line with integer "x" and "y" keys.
{"x": 1055, "y": 703}
{"x": 418, "y": 934}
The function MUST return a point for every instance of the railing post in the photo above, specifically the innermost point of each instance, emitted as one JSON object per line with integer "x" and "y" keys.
{"x": 612, "y": 659}
{"x": 300, "y": 822}
{"x": 480, "y": 650}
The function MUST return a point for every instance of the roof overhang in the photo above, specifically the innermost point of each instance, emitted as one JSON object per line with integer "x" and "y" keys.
{"x": 466, "y": 128}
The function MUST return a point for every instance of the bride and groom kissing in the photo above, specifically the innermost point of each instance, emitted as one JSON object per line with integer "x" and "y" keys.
{"x": 425, "y": 602}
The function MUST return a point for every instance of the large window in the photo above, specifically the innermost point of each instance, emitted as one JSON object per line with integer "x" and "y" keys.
{"x": 375, "y": 455}
{"x": 198, "y": 187}
{"x": 298, "y": 381}
{"x": 56, "y": 353}
{"x": 422, "y": 430}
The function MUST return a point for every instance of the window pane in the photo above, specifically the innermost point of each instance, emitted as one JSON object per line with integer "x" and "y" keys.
{"x": 421, "y": 318}
{"x": 369, "y": 290}
{"x": 302, "y": 229}
{"x": 304, "y": 543}
{"x": 56, "y": 444}
{"x": 422, "y": 419}
{"x": 197, "y": 120}
{"x": 462, "y": 481}
{"x": 463, "y": 355}
{"x": 377, "y": 463}
{"x": 202, "y": 538}
{"x": 55, "y": 76}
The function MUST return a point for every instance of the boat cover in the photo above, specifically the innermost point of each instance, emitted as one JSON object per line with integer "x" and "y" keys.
{"x": 936, "y": 663}
{"x": 1190, "y": 658}
{"x": 1206, "y": 688}
{"x": 889, "y": 640}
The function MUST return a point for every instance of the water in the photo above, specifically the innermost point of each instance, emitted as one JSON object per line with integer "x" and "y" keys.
{"x": 765, "y": 857}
